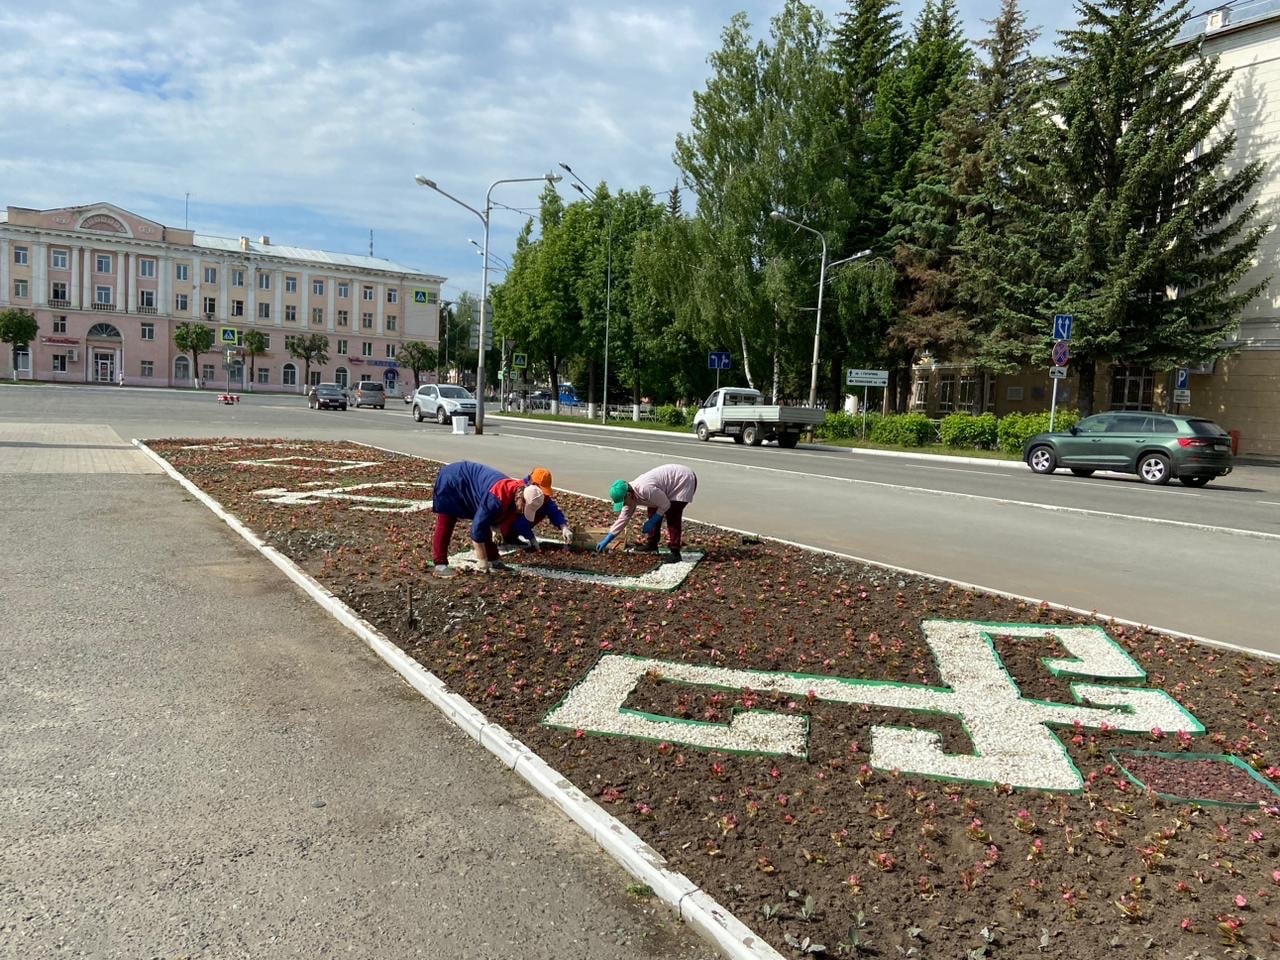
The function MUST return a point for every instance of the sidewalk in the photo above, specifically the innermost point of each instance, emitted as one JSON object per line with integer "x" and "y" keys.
{"x": 199, "y": 762}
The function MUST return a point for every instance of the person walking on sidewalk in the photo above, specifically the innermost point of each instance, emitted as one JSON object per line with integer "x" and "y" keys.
{"x": 664, "y": 491}
{"x": 466, "y": 490}
{"x": 517, "y": 526}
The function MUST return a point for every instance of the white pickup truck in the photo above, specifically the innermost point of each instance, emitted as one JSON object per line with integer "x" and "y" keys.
{"x": 743, "y": 415}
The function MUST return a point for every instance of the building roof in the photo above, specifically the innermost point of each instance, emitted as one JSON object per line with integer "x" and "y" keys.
{"x": 357, "y": 261}
{"x": 1245, "y": 13}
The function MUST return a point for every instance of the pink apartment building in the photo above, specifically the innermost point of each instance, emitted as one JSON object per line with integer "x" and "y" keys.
{"x": 108, "y": 287}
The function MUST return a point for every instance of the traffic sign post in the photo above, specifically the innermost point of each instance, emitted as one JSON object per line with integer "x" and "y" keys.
{"x": 1062, "y": 324}
{"x": 1061, "y": 352}
{"x": 718, "y": 360}
{"x": 1182, "y": 386}
{"x": 519, "y": 360}
{"x": 864, "y": 379}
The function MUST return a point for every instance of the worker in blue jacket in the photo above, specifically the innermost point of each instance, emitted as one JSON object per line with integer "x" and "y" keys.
{"x": 517, "y": 527}
{"x": 488, "y": 498}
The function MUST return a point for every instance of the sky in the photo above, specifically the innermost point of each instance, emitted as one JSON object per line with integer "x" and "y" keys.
{"x": 308, "y": 122}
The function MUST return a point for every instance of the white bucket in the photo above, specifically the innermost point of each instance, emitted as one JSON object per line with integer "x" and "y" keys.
{"x": 461, "y": 425}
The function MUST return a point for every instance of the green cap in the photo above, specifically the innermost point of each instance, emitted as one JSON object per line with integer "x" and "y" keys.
{"x": 618, "y": 494}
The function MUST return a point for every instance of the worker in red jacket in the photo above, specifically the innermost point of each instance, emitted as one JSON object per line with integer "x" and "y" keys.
{"x": 517, "y": 526}
{"x": 487, "y": 497}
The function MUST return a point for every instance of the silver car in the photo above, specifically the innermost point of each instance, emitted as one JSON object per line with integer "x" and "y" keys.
{"x": 442, "y": 402}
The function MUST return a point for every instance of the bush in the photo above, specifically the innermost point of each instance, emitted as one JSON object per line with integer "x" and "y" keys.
{"x": 840, "y": 426}
{"x": 1017, "y": 428}
{"x": 672, "y": 415}
{"x": 970, "y": 432}
{"x": 903, "y": 430}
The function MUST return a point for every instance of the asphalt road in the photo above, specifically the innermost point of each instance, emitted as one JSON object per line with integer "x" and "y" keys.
{"x": 1202, "y": 562}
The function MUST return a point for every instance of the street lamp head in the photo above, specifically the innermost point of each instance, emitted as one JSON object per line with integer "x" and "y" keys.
{"x": 423, "y": 181}
{"x": 578, "y": 187}
{"x": 554, "y": 178}
{"x": 566, "y": 168}
{"x": 776, "y": 215}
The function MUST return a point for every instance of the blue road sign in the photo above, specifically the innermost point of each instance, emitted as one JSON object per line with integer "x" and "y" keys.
{"x": 1061, "y": 352}
{"x": 1183, "y": 380}
{"x": 718, "y": 360}
{"x": 1062, "y": 323}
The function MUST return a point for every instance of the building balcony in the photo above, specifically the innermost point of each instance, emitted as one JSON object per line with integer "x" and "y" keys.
{"x": 109, "y": 307}
{"x": 60, "y": 304}
{"x": 148, "y": 311}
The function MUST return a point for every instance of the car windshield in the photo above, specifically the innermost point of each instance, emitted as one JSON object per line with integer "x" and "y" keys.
{"x": 328, "y": 388}
{"x": 371, "y": 386}
{"x": 1205, "y": 428}
{"x": 456, "y": 392}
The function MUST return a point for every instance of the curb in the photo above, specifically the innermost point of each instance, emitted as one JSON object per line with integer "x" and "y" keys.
{"x": 695, "y": 907}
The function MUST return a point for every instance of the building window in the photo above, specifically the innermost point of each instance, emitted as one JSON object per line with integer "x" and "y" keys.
{"x": 317, "y": 315}
{"x": 344, "y": 318}
{"x": 289, "y": 375}
{"x": 342, "y": 348}
{"x": 968, "y": 393}
{"x": 237, "y": 308}
{"x": 393, "y": 296}
{"x": 315, "y": 378}
{"x": 391, "y": 351}
{"x": 20, "y": 255}
{"x": 340, "y": 376}
{"x": 148, "y": 331}
{"x": 264, "y": 281}
{"x": 946, "y": 393}
{"x": 1132, "y": 387}
{"x": 366, "y": 321}
{"x": 290, "y": 284}
{"x": 102, "y": 295}
{"x": 317, "y": 287}
{"x": 366, "y": 349}
{"x": 20, "y": 289}
{"x": 367, "y": 293}
{"x": 59, "y": 324}
{"x": 102, "y": 263}
{"x": 60, "y": 259}
{"x": 264, "y": 311}
{"x": 147, "y": 299}
{"x": 344, "y": 290}
{"x": 210, "y": 274}
{"x": 210, "y": 305}
{"x": 181, "y": 369}
{"x": 237, "y": 278}
{"x": 264, "y": 374}
{"x": 58, "y": 291}
{"x": 391, "y": 323}
{"x": 59, "y": 363}
{"x": 146, "y": 268}
{"x": 206, "y": 372}
{"x": 182, "y": 271}
{"x": 147, "y": 368}
{"x": 180, "y": 302}
{"x": 291, "y": 313}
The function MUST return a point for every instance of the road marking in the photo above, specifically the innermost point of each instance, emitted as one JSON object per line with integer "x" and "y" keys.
{"x": 1052, "y": 508}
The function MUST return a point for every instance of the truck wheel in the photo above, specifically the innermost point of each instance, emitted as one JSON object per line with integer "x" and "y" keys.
{"x": 737, "y": 438}
{"x": 751, "y": 435}
{"x": 703, "y": 433}
{"x": 788, "y": 440}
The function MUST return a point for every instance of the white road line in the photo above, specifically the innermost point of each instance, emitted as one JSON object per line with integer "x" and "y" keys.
{"x": 1052, "y": 508}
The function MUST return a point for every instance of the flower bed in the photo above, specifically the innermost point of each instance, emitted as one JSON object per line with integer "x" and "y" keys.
{"x": 756, "y": 725}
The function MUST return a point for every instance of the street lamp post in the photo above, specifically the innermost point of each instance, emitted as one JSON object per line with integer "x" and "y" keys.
{"x": 484, "y": 270}
{"x": 822, "y": 282}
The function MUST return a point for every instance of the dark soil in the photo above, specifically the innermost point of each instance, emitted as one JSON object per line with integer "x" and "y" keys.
{"x": 864, "y": 862}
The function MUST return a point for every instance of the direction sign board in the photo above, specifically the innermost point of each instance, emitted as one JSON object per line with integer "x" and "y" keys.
{"x": 718, "y": 360}
{"x": 1061, "y": 352}
{"x": 519, "y": 361}
{"x": 1062, "y": 324}
{"x": 1057, "y": 373}
{"x": 866, "y": 378}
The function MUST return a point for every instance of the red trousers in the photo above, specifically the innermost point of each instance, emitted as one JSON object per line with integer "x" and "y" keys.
{"x": 673, "y": 516}
{"x": 443, "y": 533}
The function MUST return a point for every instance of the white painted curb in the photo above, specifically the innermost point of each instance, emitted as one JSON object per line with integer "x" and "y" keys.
{"x": 698, "y": 909}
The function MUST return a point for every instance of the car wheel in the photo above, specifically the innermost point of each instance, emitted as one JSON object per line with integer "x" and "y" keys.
{"x": 1082, "y": 471}
{"x": 1153, "y": 468}
{"x": 751, "y": 435}
{"x": 441, "y": 417}
{"x": 342, "y": 406}
{"x": 417, "y": 413}
{"x": 1042, "y": 460}
{"x": 1194, "y": 481}
{"x": 703, "y": 433}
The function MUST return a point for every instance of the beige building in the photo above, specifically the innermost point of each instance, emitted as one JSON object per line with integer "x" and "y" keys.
{"x": 108, "y": 288}
{"x": 1241, "y": 391}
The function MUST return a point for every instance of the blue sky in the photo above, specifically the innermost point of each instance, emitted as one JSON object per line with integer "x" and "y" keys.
{"x": 307, "y": 122}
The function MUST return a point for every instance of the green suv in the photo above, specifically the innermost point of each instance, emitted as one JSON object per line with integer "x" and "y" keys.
{"x": 1155, "y": 446}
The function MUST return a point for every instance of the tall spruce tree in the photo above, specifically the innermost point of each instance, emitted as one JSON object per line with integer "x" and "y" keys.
{"x": 1162, "y": 228}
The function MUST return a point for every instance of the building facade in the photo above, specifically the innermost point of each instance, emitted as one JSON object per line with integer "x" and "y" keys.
{"x": 108, "y": 288}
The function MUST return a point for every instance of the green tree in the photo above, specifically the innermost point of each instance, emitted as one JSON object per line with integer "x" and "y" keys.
{"x": 195, "y": 339}
{"x": 417, "y": 357}
{"x": 255, "y": 343}
{"x": 1163, "y": 228}
{"x": 17, "y": 328}
{"x": 309, "y": 348}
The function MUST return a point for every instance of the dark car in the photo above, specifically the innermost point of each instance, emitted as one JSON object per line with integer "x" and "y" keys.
{"x": 1155, "y": 446}
{"x": 327, "y": 396}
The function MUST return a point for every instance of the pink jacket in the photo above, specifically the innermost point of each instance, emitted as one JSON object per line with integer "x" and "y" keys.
{"x": 659, "y": 488}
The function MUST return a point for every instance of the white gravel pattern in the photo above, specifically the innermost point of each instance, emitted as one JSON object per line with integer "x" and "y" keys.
{"x": 303, "y": 463}
{"x": 302, "y": 498}
{"x": 667, "y": 576}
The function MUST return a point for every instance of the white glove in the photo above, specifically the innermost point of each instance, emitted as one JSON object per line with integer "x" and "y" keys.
{"x": 496, "y": 536}
{"x": 566, "y": 532}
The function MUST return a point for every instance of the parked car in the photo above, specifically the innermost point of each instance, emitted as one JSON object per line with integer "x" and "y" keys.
{"x": 442, "y": 402}
{"x": 369, "y": 393}
{"x": 1155, "y": 446}
{"x": 327, "y": 396}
